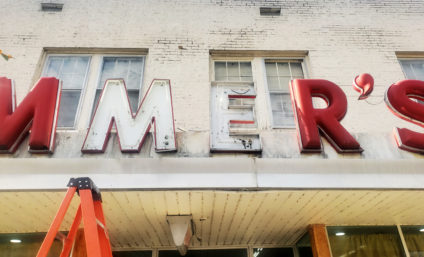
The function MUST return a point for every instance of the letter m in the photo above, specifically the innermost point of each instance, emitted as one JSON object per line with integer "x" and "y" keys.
{"x": 36, "y": 113}
{"x": 114, "y": 108}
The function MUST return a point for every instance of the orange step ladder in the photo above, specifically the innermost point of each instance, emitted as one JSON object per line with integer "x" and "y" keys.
{"x": 90, "y": 211}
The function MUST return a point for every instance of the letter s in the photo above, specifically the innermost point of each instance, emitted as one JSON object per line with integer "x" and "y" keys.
{"x": 398, "y": 99}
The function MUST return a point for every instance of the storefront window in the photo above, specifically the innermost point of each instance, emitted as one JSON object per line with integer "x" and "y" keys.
{"x": 414, "y": 238}
{"x": 206, "y": 253}
{"x": 273, "y": 252}
{"x": 132, "y": 254}
{"x": 24, "y": 245}
{"x": 303, "y": 246}
{"x": 365, "y": 241}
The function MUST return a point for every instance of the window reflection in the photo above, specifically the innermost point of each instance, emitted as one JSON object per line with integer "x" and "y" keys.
{"x": 414, "y": 238}
{"x": 365, "y": 241}
{"x": 272, "y": 252}
{"x": 26, "y": 244}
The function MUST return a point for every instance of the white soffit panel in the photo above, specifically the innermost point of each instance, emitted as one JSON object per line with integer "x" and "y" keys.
{"x": 137, "y": 219}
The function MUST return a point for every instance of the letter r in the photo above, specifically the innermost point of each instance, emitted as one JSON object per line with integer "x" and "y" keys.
{"x": 311, "y": 121}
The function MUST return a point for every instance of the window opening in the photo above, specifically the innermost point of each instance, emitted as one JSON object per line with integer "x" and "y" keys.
{"x": 233, "y": 71}
{"x": 413, "y": 69}
{"x": 279, "y": 73}
{"x": 128, "y": 68}
{"x": 72, "y": 71}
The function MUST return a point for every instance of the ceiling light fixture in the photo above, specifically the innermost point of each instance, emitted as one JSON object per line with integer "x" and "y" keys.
{"x": 340, "y": 233}
{"x": 16, "y": 241}
{"x": 422, "y": 230}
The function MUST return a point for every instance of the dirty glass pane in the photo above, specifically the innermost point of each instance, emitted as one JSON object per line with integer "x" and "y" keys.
{"x": 418, "y": 68}
{"x": 54, "y": 65}
{"x": 81, "y": 63}
{"x": 245, "y": 71}
{"x": 407, "y": 69}
{"x": 296, "y": 69}
{"x": 107, "y": 71}
{"x": 68, "y": 108}
{"x": 220, "y": 71}
{"x": 273, "y": 83}
{"x": 283, "y": 69}
{"x": 72, "y": 81}
{"x": 133, "y": 97}
{"x": 271, "y": 69}
{"x": 370, "y": 241}
{"x": 279, "y": 74}
{"x": 284, "y": 84}
{"x": 414, "y": 69}
{"x": 134, "y": 74}
{"x": 69, "y": 64}
{"x": 282, "y": 112}
{"x": 130, "y": 69}
{"x": 121, "y": 67}
{"x": 233, "y": 71}
{"x": 72, "y": 71}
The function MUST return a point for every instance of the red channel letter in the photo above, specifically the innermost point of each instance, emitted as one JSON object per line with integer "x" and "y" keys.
{"x": 398, "y": 99}
{"x": 37, "y": 112}
{"x": 311, "y": 121}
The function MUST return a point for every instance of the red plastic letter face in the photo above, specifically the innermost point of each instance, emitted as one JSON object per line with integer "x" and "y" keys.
{"x": 398, "y": 99}
{"x": 311, "y": 121}
{"x": 37, "y": 112}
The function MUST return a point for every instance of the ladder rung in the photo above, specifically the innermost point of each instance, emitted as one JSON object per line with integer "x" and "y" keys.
{"x": 100, "y": 224}
{"x": 103, "y": 227}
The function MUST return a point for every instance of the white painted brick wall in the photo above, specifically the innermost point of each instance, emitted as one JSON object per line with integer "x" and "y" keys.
{"x": 344, "y": 38}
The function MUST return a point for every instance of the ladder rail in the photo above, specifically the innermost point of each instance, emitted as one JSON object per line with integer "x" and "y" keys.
{"x": 57, "y": 221}
{"x": 90, "y": 212}
{"x": 69, "y": 241}
{"x": 104, "y": 237}
{"x": 90, "y": 225}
